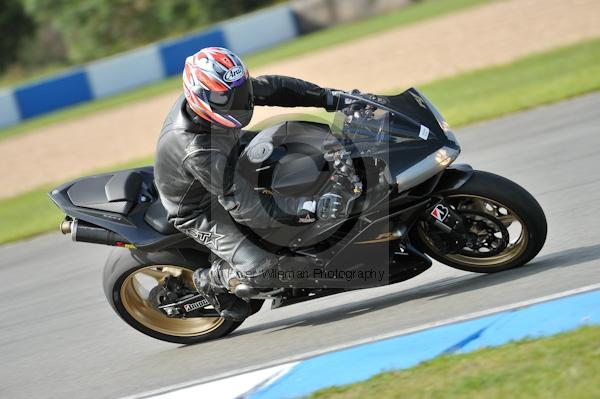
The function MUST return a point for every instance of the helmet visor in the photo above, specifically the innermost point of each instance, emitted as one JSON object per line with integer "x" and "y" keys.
{"x": 238, "y": 98}
{"x": 237, "y": 102}
{"x": 219, "y": 97}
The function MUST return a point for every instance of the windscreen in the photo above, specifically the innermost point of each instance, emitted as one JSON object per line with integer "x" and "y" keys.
{"x": 378, "y": 119}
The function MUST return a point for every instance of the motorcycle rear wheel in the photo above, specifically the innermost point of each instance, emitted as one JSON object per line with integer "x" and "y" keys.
{"x": 129, "y": 276}
{"x": 490, "y": 200}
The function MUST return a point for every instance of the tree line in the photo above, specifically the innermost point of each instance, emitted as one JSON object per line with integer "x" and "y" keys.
{"x": 36, "y": 34}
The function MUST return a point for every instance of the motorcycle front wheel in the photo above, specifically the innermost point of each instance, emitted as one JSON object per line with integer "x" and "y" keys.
{"x": 506, "y": 226}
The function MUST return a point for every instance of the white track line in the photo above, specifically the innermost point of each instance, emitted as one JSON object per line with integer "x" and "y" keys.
{"x": 232, "y": 387}
{"x": 410, "y": 330}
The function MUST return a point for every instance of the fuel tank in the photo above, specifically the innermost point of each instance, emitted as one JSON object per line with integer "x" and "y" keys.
{"x": 287, "y": 158}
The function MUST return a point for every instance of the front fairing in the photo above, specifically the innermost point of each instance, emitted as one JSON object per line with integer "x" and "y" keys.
{"x": 405, "y": 131}
{"x": 408, "y": 116}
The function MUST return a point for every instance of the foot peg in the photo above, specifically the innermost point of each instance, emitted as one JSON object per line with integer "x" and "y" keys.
{"x": 227, "y": 305}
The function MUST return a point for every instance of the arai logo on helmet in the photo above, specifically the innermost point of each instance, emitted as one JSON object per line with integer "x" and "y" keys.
{"x": 233, "y": 74}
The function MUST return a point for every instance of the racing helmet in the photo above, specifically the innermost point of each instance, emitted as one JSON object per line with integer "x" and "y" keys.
{"x": 217, "y": 87}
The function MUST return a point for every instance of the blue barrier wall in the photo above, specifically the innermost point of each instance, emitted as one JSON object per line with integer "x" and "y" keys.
{"x": 174, "y": 53}
{"x": 53, "y": 93}
{"x": 251, "y": 32}
{"x": 125, "y": 72}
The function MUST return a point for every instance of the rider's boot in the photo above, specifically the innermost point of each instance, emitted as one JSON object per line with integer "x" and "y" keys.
{"x": 214, "y": 285}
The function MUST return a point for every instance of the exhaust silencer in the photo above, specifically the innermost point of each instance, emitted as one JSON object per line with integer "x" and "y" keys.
{"x": 65, "y": 226}
{"x": 86, "y": 232}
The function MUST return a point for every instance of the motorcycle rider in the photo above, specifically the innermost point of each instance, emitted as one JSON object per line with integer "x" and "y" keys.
{"x": 195, "y": 155}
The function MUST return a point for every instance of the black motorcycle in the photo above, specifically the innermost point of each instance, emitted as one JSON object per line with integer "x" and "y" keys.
{"x": 409, "y": 203}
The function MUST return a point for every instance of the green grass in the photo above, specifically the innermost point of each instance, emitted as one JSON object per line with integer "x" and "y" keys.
{"x": 529, "y": 82}
{"x": 562, "y": 366}
{"x": 471, "y": 97}
{"x": 27, "y": 214}
{"x": 421, "y": 10}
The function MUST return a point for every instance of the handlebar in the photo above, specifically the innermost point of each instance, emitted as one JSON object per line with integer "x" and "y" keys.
{"x": 374, "y": 104}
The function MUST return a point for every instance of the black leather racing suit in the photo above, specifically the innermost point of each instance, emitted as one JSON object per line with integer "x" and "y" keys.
{"x": 194, "y": 176}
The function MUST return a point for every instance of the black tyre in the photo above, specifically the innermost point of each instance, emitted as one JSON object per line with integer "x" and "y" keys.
{"x": 128, "y": 277}
{"x": 513, "y": 220}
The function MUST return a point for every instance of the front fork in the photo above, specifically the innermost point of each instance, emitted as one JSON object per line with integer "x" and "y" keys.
{"x": 445, "y": 226}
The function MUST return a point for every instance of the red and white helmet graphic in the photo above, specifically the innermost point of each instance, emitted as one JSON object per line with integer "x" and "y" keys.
{"x": 217, "y": 86}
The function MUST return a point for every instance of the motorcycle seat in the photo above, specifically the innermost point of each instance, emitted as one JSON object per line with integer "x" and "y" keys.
{"x": 112, "y": 193}
{"x": 156, "y": 217}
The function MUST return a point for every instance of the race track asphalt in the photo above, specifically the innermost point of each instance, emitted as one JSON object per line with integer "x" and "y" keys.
{"x": 60, "y": 338}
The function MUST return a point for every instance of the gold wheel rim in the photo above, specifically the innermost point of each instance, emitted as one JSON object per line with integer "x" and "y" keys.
{"x": 516, "y": 246}
{"x": 134, "y": 296}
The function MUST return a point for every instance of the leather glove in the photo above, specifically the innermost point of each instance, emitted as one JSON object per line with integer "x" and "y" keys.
{"x": 331, "y": 206}
{"x": 349, "y": 105}
{"x": 336, "y": 101}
